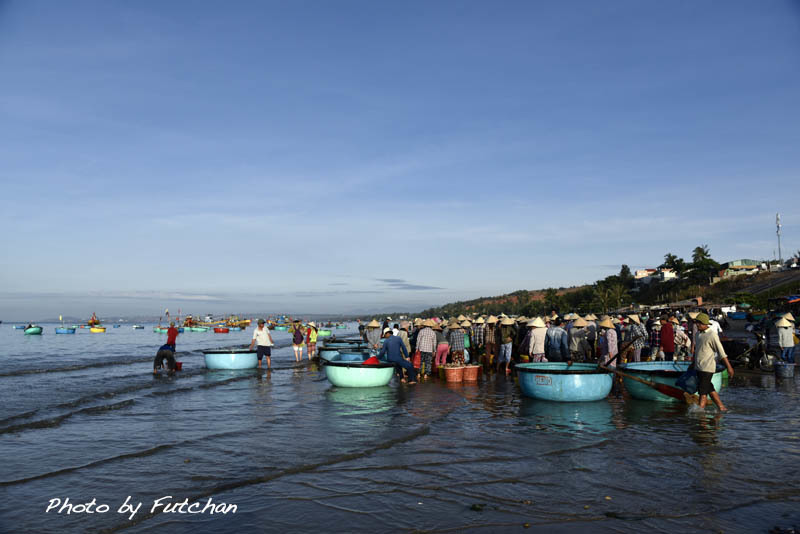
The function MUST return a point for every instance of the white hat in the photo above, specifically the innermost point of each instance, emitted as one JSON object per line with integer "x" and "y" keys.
{"x": 387, "y": 330}
{"x": 783, "y": 323}
{"x": 537, "y": 323}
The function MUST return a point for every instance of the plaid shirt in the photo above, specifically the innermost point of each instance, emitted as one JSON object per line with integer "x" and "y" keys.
{"x": 426, "y": 340}
{"x": 655, "y": 338}
{"x": 636, "y": 331}
{"x": 456, "y": 339}
{"x": 477, "y": 334}
{"x": 488, "y": 334}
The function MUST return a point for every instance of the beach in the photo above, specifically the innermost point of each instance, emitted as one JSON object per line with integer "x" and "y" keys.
{"x": 83, "y": 418}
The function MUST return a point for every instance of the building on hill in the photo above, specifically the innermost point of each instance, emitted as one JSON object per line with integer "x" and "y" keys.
{"x": 738, "y": 267}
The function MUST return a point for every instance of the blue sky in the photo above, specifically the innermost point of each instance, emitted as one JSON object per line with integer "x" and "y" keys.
{"x": 345, "y": 156}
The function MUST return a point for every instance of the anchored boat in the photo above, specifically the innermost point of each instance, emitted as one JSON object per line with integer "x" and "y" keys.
{"x": 347, "y": 370}
{"x": 559, "y": 382}
{"x": 659, "y": 372}
{"x": 230, "y": 359}
{"x": 97, "y": 329}
{"x": 221, "y": 330}
{"x": 64, "y": 330}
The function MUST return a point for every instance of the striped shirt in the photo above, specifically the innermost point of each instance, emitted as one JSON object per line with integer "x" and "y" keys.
{"x": 456, "y": 338}
{"x": 477, "y": 334}
{"x": 489, "y": 334}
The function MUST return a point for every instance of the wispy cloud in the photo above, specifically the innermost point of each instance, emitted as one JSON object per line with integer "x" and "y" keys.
{"x": 399, "y": 283}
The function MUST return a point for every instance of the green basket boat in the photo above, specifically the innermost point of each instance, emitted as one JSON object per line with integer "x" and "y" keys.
{"x": 344, "y": 372}
{"x": 661, "y": 372}
{"x": 323, "y": 333}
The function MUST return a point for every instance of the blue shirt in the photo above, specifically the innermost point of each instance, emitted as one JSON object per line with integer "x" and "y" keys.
{"x": 393, "y": 348}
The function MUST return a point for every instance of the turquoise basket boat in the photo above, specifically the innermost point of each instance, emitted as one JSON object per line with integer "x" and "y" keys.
{"x": 555, "y": 381}
{"x": 230, "y": 359}
{"x": 662, "y": 372}
{"x": 199, "y": 329}
{"x": 65, "y": 330}
{"x": 323, "y": 333}
{"x": 347, "y": 370}
{"x": 159, "y": 330}
{"x": 33, "y": 331}
{"x": 282, "y": 328}
{"x": 341, "y": 326}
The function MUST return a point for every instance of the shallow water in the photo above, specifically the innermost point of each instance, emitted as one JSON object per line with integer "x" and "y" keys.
{"x": 82, "y": 417}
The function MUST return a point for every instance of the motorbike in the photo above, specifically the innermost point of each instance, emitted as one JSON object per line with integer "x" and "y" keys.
{"x": 756, "y": 355}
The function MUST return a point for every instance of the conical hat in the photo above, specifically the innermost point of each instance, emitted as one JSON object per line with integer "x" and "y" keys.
{"x": 537, "y": 323}
{"x": 580, "y": 322}
{"x": 466, "y": 324}
{"x": 522, "y": 319}
{"x": 674, "y": 320}
{"x": 429, "y": 323}
{"x": 462, "y": 318}
{"x": 507, "y": 321}
{"x": 615, "y": 320}
{"x": 783, "y": 323}
{"x": 479, "y": 320}
{"x": 491, "y": 320}
{"x": 591, "y": 317}
{"x": 605, "y": 323}
{"x": 373, "y": 324}
{"x": 503, "y": 316}
{"x": 693, "y": 315}
{"x": 635, "y": 318}
{"x": 788, "y": 316}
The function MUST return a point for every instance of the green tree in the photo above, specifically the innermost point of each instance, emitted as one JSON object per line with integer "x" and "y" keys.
{"x": 602, "y": 297}
{"x": 700, "y": 253}
{"x": 618, "y": 295}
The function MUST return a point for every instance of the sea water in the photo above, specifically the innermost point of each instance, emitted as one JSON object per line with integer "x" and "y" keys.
{"x": 91, "y": 441}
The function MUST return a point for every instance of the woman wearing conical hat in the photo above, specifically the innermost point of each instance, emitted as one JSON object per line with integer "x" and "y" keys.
{"x": 638, "y": 335}
{"x": 579, "y": 348}
{"x": 373, "y": 336}
{"x": 607, "y": 338}
{"x": 538, "y": 338}
{"x": 785, "y": 339}
{"x": 507, "y": 334}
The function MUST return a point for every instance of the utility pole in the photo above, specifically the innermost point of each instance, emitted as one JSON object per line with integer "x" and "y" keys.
{"x": 778, "y": 224}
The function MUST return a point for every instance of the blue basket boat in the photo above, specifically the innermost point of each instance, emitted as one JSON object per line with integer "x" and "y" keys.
{"x": 230, "y": 359}
{"x": 19, "y": 327}
{"x": 65, "y": 330}
{"x": 347, "y": 370}
{"x": 662, "y": 372}
{"x": 555, "y": 381}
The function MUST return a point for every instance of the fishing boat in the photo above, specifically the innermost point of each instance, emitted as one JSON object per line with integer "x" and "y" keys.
{"x": 160, "y": 329}
{"x": 341, "y": 326}
{"x": 329, "y": 353}
{"x": 97, "y": 329}
{"x": 281, "y": 328}
{"x": 138, "y": 327}
{"x": 221, "y": 330}
{"x": 231, "y": 359}
{"x": 659, "y": 372}
{"x": 19, "y": 327}
{"x": 323, "y": 333}
{"x": 117, "y": 325}
{"x": 347, "y": 370}
{"x": 198, "y": 329}
{"x": 559, "y": 382}
{"x": 64, "y": 330}
{"x": 33, "y": 331}
{"x": 737, "y": 315}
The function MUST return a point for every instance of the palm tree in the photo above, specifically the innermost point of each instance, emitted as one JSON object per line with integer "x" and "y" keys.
{"x": 602, "y": 296}
{"x": 617, "y": 294}
{"x": 700, "y": 253}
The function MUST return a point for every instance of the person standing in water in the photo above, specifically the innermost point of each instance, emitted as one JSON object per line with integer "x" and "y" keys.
{"x": 297, "y": 341}
{"x": 262, "y": 337}
{"x": 172, "y": 335}
{"x": 708, "y": 346}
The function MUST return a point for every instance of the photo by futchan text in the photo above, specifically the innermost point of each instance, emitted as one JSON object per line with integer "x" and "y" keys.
{"x": 164, "y": 504}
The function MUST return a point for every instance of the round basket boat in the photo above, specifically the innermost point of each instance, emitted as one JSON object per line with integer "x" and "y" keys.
{"x": 230, "y": 359}
{"x": 555, "y": 381}
{"x": 661, "y": 372}
{"x": 97, "y": 329}
{"x": 33, "y": 331}
{"x": 65, "y": 330}
{"x": 280, "y": 328}
{"x": 347, "y": 370}
{"x": 221, "y": 330}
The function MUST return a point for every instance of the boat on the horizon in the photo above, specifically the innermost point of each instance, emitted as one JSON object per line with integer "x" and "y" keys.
{"x": 97, "y": 329}
{"x": 64, "y": 330}
{"x": 138, "y": 327}
{"x": 19, "y": 327}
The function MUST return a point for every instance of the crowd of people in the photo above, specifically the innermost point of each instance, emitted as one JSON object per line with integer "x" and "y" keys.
{"x": 499, "y": 343}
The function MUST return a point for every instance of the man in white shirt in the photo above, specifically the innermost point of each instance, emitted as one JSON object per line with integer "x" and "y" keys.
{"x": 708, "y": 347}
{"x": 264, "y": 340}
